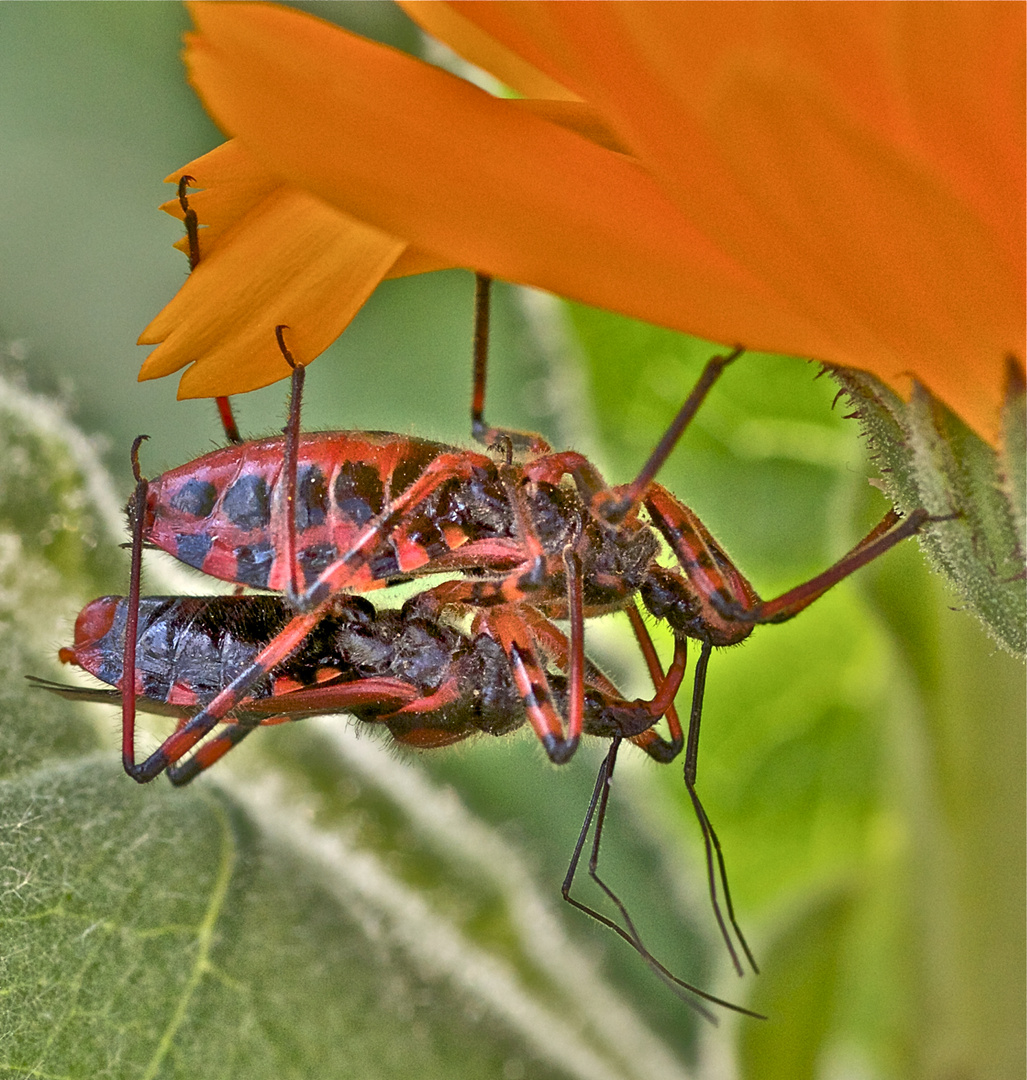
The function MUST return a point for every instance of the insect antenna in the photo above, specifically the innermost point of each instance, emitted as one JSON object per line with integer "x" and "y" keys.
{"x": 597, "y": 813}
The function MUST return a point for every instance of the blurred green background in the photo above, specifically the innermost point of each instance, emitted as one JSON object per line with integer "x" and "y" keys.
{"x": 329, "y": 908}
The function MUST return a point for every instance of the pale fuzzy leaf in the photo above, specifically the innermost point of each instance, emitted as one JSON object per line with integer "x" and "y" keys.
{"x": 218, "y": 932}
{"x": 928, "y": 457}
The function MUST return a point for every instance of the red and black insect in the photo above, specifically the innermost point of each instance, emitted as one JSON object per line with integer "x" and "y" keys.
{"x": 313, "y": 516}
{"x": 428, "y": 683}
{"x": 539, "y": 536}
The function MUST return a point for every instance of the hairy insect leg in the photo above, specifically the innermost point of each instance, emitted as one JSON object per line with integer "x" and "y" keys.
{"x": 529, "y": 676}
{"x": 534, "y": 553}
{"x": 657, "y": 747}
{"x": 522, "y": 629}
{"x": 128, "y": 665}
{"x": 576, "y": 660}
{"x": 284, "y": 525}
{"x": 596, "y": 813}
{"x": 730, "y": 605}
{"x": 385, "y": 694}
{"x": 666, "y": 687}
{"x": 551, "y": 468}
{"x": 176, "y": 745}
{"x": 556, "y": 646}
{"x": 480, "y": 431}
{"x": 227, "y": 418}
{"x": 706, "y": 574}
{"x": 345, "y": 572}
{"x": 210, "y": 752}
{"x": 711, "y": 842}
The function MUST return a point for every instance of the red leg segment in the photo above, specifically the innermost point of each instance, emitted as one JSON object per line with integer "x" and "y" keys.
{"x": 658, "y": 748}
{"x": 890, "y": 531}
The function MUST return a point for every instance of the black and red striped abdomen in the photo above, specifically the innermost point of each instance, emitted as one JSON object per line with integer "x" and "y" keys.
{"x": 188, "y": 649}
{"x": 218, "y": 513}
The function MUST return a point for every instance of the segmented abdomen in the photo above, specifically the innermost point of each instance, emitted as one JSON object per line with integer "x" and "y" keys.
{"x": 216, "y": 513}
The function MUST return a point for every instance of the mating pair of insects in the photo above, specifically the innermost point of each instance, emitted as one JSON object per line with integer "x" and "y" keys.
{"x": 529, "y": 536}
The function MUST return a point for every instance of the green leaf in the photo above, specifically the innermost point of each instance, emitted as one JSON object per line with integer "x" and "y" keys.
{"x": 928, "y": 457}
{"x": 157, "y": 933}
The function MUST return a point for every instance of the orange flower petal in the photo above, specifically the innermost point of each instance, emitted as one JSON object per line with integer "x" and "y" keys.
{"x": 797, "y": 186}
{"x": 525, "y": 30}
{"x": 575, "y": 116}
{"x": 444, "y": 22}
{"x": 289, "y": 260}
{"x": 865, "y": 158}
{"x": 232, "y": 186}
{"x": 415, "y": 261}
{"x": 479, "y": 180}
{"x": 233, "y": 183}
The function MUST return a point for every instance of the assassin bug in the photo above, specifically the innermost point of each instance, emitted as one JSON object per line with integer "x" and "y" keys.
{"x": 428, "y": 683}
{"x": 315, "y": 515}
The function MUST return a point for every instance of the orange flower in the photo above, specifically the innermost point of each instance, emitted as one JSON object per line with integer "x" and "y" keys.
{"x": 839, "y": 181}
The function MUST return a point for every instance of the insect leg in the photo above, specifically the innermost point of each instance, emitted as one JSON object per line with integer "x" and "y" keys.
{"x": 597, "y": 812}
{"x": 629, "y": 496}
{"x": 186, "y": 771}
{"x": 576, "y": 665}
{"x": 556, "y": 646}
{"x": 345, "y": 571}
{"x": 128, "y": 665}
{"x": 710, "y": 839}
{"x": 371, "y": 696}
{"x": 284, "y": 529}
{"x": 227, "y": 417}
{"x": 185, "y": 738}
{"x": 890, "y": 531}
{"x": 192, "y": 232}
{"x": 639, "y": 713}
{"x": 658, "y": 748}
{"x": 480, "y": 431}
{"x": 708, "y": 573}
{"x": 529, "y": 675}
